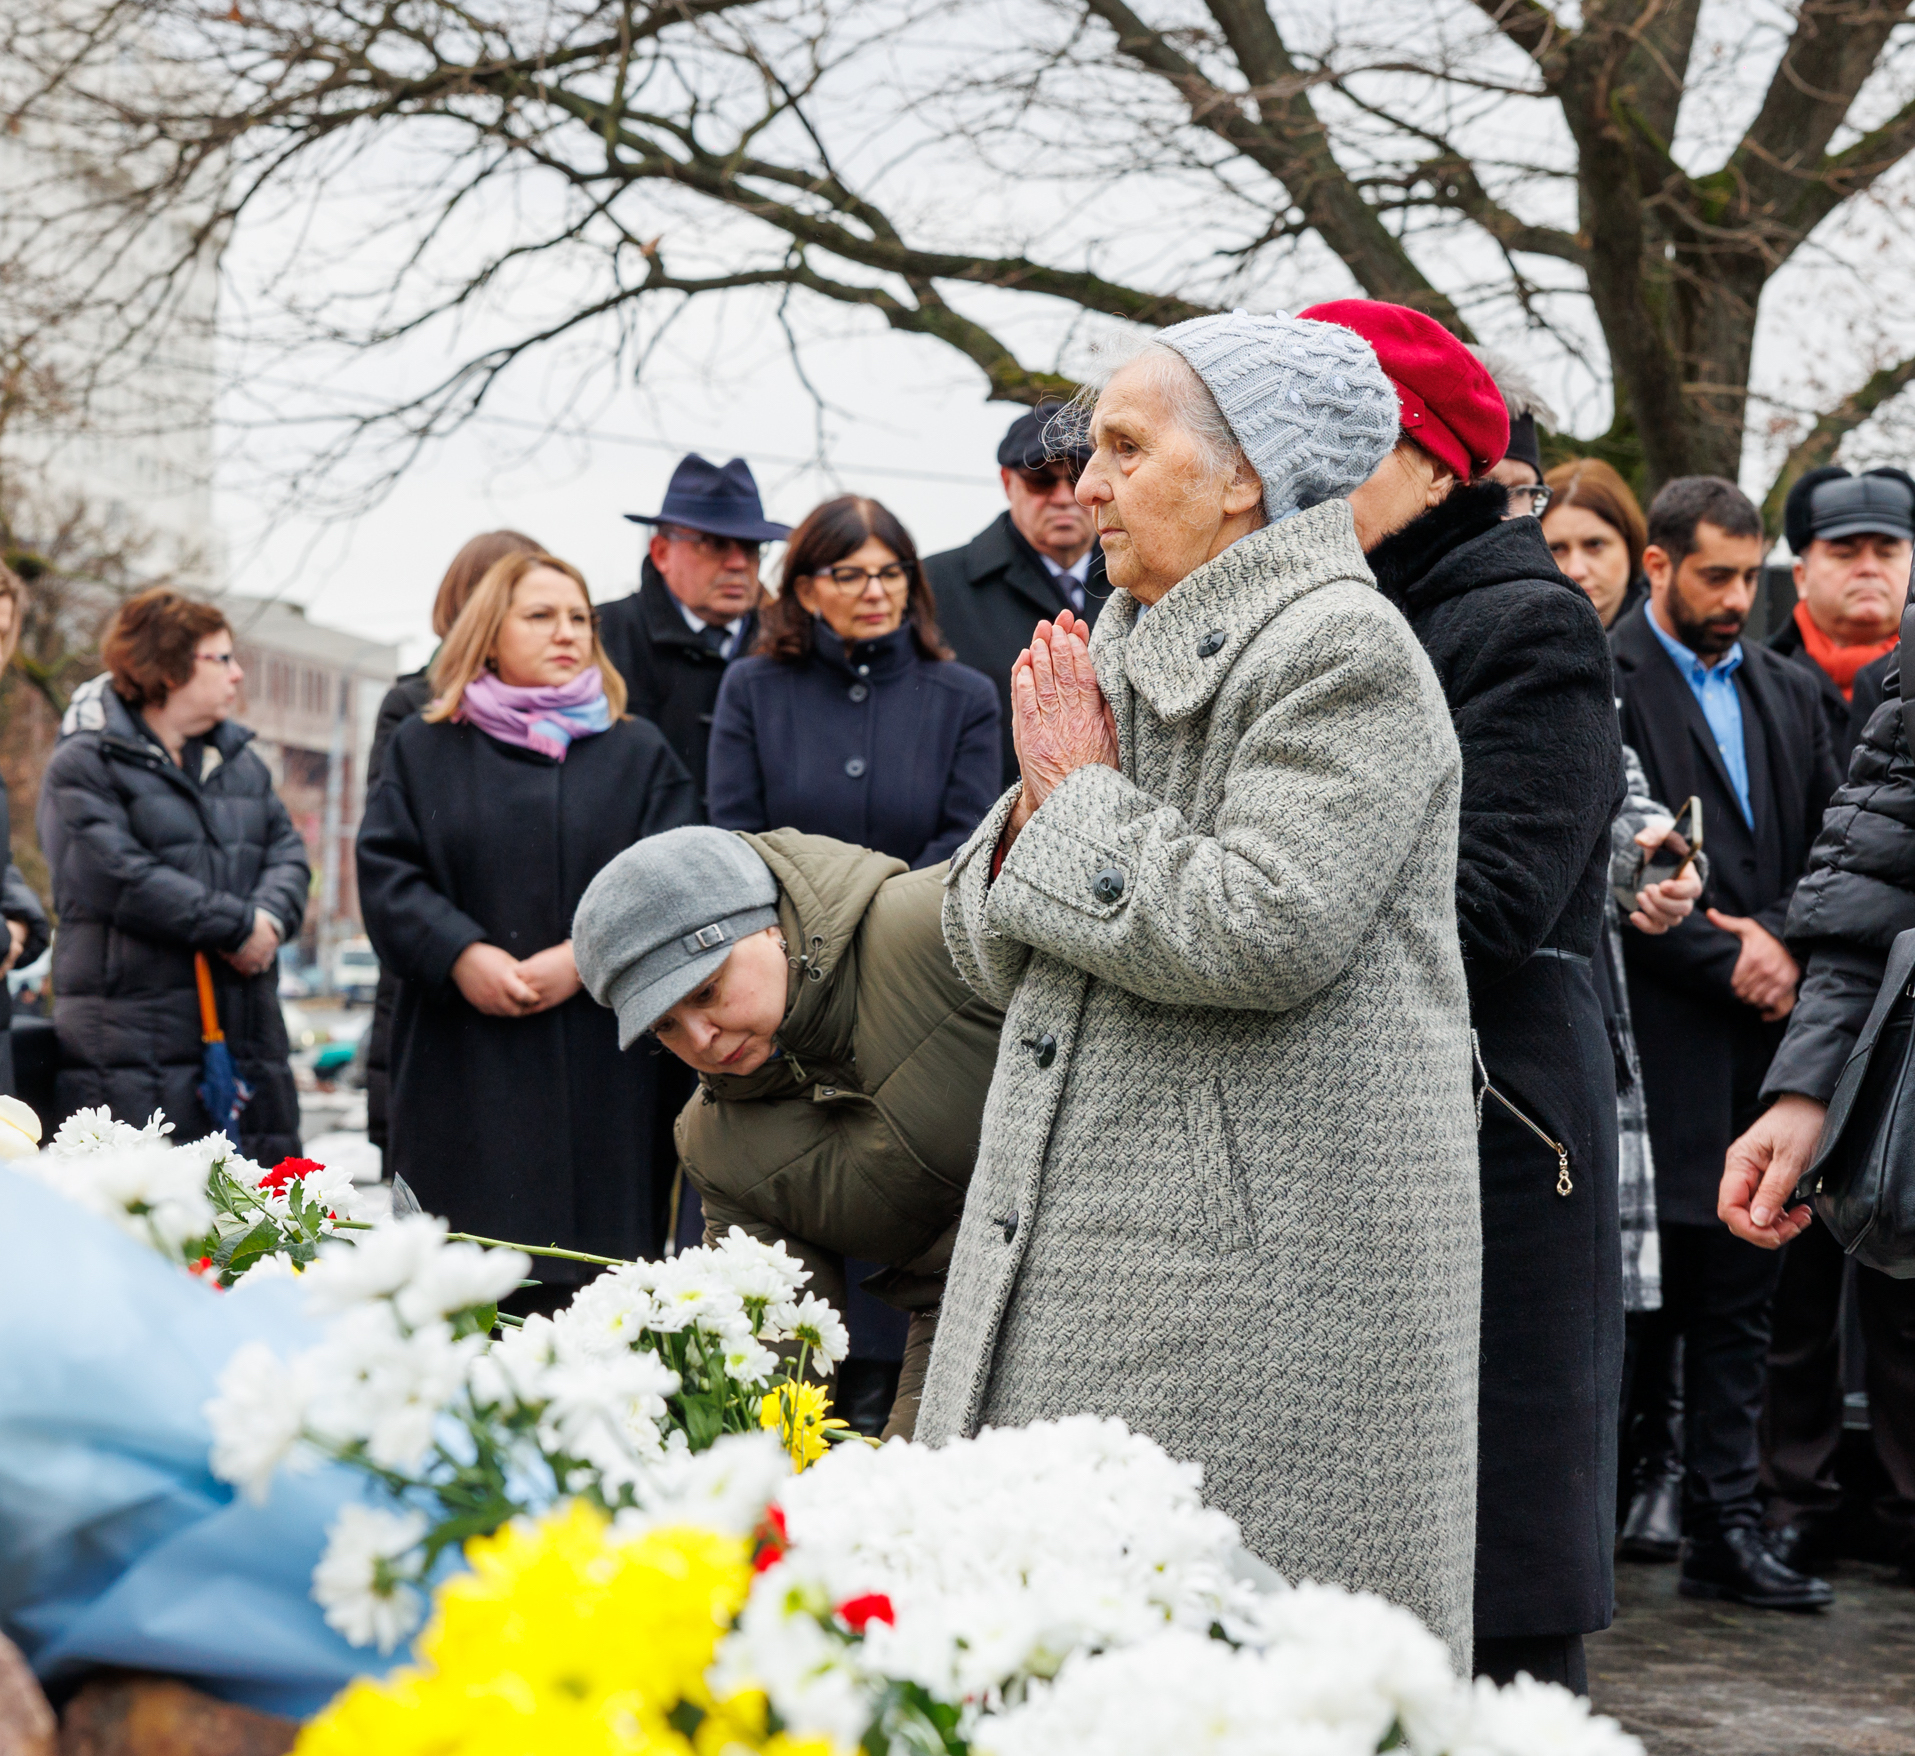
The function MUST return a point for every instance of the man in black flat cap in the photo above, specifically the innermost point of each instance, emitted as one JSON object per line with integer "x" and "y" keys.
{"x": 1851, "y": 539}
{"x": 1039, "y": 557}
{"x": 696, "y": 607}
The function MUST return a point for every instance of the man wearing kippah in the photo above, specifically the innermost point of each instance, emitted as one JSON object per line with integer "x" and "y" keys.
{"x": 1850, "y": 538}
{"x": 1031, "y": 561}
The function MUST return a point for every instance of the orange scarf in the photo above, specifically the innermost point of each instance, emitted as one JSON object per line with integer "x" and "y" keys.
{"x": 1840, "y": 662}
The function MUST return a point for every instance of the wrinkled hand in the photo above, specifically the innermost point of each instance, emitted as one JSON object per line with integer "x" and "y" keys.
{"x": 1762, "y": 1170}
{"x": 1661, "y": 906}
{"x": 491, "y": 979}
{"x": 1765, "y": 974}
{"x": 552, "y": 974}
{"x": 17, "y": 930}
{"x": 1060, "y": 721}
{"x": 261, "y": 947}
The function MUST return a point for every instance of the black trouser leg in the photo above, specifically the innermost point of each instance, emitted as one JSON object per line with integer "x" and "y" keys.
{"x": 1549, "y": 1658}
{"x": 1718, "y": 1291}
{"x": 1888, "y": 1337}
{"x": 1802, "y": 1411}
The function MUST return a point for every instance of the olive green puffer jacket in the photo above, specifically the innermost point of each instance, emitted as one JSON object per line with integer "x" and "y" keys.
{"x": 859, "y": 1138}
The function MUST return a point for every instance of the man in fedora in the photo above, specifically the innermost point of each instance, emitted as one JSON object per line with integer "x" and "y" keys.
{"x": 696, "y": 605}
{"x": 1037, "y": 558}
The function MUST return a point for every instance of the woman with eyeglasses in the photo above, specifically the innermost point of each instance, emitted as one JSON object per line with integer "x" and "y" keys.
{"x": 851, "y": 719}
{"x": 169, "y": 851}
{"x": 513, "y": 1113}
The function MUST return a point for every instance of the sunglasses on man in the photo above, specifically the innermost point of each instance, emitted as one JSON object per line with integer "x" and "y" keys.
{"x": 1047, "y": 479}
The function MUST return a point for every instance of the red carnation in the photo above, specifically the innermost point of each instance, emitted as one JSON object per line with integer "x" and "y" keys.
{"x": 859, "y": 1613}
{"x": 288, "y": 1168}
{"x": 772, "y": 1541}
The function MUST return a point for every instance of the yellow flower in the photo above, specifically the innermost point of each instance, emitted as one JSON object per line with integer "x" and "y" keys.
{"x": 565, "y": 1641}
{"x": 797, "y": 1411}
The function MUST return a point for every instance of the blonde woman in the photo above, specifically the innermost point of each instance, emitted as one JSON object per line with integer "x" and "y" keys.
{"x": 513, "y": 1112}
{"x": 26, "y": 920}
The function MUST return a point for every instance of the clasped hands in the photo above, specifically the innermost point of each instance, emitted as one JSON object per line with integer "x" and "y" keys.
{"x": 1060, "y": 721}
{"x": 505, "y": 986}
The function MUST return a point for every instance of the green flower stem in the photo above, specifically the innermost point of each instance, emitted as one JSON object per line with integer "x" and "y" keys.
{"x": 536, "y": 1250}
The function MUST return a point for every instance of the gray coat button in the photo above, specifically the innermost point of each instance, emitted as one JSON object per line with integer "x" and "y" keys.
{"x": 859, "y": 691}
{"x": 1211, "y": 644}
{"x": 854, "y": 767}
{"x": 1108, "y": 885}
{"x": 1044, "y": 1049}
{"x": 1009, "y": 1223}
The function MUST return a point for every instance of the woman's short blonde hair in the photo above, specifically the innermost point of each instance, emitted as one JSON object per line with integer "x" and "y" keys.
{"x": 472, "y": 644}
{"x": 13, "y": 589}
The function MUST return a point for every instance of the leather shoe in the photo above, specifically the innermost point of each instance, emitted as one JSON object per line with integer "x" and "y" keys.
{"x": 1803, "y": 1545}
{"x": 1736, "y": 1566}
{"x": 1653, "y": 1529}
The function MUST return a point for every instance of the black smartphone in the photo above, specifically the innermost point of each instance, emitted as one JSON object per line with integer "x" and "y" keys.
{"x": 1673, "y": 855}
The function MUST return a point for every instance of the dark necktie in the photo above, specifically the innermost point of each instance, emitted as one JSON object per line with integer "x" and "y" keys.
{"x": 715, "y": 639}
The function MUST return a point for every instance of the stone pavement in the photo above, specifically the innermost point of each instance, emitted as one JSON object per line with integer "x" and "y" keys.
{"x": 1704, "y": 1679}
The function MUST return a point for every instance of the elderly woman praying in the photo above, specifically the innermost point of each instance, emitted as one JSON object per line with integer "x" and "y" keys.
{"x": 1226, "y": 1188}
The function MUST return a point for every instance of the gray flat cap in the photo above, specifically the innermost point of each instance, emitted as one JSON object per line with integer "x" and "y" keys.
{"x": 662, "y": 918}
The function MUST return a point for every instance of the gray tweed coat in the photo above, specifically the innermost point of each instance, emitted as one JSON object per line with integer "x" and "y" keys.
{"x": 1227, "y": 1182}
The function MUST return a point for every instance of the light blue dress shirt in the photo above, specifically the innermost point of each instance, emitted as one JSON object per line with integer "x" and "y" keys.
{"x": 1714, "y": 689}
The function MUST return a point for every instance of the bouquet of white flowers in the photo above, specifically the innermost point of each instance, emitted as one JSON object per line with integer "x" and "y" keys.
{"x": 464, "y": 1433}
{"x": 1054, "y": 1591}
{"x": 201, "y": 1203}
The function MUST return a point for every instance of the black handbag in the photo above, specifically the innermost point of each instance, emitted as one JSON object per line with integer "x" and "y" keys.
{"x": 1861, "y": 1181}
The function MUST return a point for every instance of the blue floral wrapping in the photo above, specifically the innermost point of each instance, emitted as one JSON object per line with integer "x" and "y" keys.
{"x": 117, "y": 1544}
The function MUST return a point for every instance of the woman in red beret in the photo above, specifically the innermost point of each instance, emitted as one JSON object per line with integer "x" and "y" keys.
{"x": 1524, "y": 665}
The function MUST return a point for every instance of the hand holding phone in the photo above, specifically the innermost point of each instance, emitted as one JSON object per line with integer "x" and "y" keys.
{"x": 1677, "y": 850}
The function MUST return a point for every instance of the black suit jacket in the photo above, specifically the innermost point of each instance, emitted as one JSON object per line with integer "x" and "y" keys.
{"x": 991, "y": 594}
{"x": 671, "y": 676}
{"x": 1845, "y": 725}
{"x": 1703, "y": 1051}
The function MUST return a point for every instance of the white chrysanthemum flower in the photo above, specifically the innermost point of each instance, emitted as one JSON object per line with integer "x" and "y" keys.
{"x": 19, "y": 1129}
{"x": 1352, "y": 1647}
{"x": 353, "y": 1581}
{"x": 1538, "y": 1719}
{"x": 95, "y": 1130}
{"x": 375, "y": 1383}
{"x": 459, "y": 1277}
{"x": 376, "y": 1265}
{"x": 1004, "y": 1555}
{"x": 815, "y": 1322}
{"x": 782, "y": 1648}
{"x": 278, "y": 1266}
{"x": 1176, "y": 1694}
{"x": 613, "y": 1310}
{"x": 765, "y": 1274}
{"x": 256, "y": 1416}
{"x": 725, "y": 1488}
{"x": 605, "y": 1411}
{"x": 152, "y": 1190}
{"x": 687, "y": 1295}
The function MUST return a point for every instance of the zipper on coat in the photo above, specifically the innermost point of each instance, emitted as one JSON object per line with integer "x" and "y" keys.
{"x": 1563, "y": 1185}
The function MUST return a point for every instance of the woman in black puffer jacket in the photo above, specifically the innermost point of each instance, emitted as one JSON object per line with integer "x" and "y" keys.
{"x": 1857, "y": 894}
{"x": 165, "y": 838}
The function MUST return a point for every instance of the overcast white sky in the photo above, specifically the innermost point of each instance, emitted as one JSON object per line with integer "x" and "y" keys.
{"x": 570, "y": 442}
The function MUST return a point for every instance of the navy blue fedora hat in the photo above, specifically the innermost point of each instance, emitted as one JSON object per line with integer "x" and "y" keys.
{"x": 721, "y": 502}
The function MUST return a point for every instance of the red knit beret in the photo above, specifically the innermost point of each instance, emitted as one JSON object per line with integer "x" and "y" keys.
{"x": 1450, "y": 404}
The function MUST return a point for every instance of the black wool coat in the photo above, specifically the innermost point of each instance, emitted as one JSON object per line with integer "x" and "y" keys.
{"x": 1857, "y": 894}
{"x": 671, "y": 676}
{"x": 532, "y": 1129}
{"x": 1704, "y": 1053}
{"x": 874, "y": 744}
{"x": 151, "y": 862}
{"x": 17, "y": 903}
{"x": 1520, "y": 653}
{"x": 991, "y": 594}
{"x": 409, "y": 695}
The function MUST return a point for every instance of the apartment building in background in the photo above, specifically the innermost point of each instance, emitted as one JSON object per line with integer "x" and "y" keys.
{"x": 311, "y": 695}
